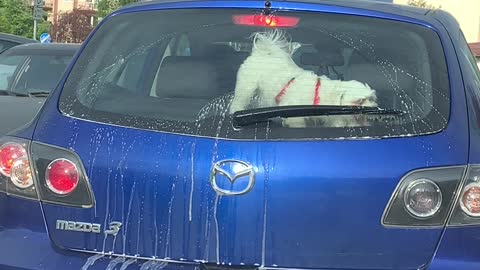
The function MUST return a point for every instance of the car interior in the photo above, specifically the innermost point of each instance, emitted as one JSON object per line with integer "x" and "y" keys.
{"x": 177, "y": 78}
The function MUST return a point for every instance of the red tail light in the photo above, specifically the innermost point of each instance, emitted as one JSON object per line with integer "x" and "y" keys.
{"x": 39, "y": 171}
{"x": 62, "y": 176}
{"x": 10, "y": 152}
{"x": 470, "y": 200}
{"x": 265, "y": 20}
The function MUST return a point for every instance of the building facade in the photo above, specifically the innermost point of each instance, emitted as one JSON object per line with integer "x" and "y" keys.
{"x": 56, "y": 7}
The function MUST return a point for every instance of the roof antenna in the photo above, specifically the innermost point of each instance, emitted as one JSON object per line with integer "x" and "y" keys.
{"x": 267, "y": 9}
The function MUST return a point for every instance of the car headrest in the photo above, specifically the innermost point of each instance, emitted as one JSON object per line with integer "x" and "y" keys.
{"x": 322, "y": 58}
{"x": 376, "y": 78}
{"x": 219, "y": 49}
{"x": 186, "y": 77}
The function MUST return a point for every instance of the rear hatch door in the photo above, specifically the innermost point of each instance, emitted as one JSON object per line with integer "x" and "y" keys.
{"x": 165, "y": 167}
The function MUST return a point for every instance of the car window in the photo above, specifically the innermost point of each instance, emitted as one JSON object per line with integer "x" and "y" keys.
{"x": 40, "y": 73}
{"x": 202, "y": 69}
{"x": 5, "y": 45}
{"x": 8, "y": 65}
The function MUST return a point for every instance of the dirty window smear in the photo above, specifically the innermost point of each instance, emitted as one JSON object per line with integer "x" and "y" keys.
{"x": 333, "y": 76}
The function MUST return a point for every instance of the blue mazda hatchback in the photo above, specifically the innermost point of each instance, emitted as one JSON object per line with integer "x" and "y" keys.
{"x": 136, "y": 161}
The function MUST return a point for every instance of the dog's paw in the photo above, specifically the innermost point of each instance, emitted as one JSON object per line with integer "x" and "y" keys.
{"x": 235, "y": 107}
{"x": 294, "y": 122}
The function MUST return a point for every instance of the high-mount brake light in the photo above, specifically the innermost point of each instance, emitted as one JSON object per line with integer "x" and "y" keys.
{"x": 266, "y": 20}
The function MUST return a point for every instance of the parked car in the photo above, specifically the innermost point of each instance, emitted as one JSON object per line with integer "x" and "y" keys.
{"x": 135, "y": 160}
{"x": 28, "y": 73}
{"x": 8, "y": 41}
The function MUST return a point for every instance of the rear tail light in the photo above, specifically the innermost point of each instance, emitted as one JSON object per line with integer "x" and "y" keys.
{"x": 9, "y": 152}
{"x": 21, "y": 173}
{"x": 265, "y": 20}
{"x": 423, "y": 198}
{"x": 467, "y": 209}
{"x": 470, "y": 200}
{"x": 62, "y": 176}
{"x": 43, "y": 172}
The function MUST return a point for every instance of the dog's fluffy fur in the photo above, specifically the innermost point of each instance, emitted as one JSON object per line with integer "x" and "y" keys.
{"x": 270, "y": 67}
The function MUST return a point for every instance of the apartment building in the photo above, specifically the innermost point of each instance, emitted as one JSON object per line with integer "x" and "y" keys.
{"x": 55, "y": 7}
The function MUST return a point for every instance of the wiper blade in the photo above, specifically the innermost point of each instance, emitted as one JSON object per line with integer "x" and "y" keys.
{"x": 5, "y": 93}
{"x": 39, "y": 94}
{"x": 8, "y": 93}
{"x": 253, "y": 116}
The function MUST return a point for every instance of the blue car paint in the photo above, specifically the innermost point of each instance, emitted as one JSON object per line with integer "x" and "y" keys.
{"x": 412, "y": 153}
{"x": 458, "y": 246}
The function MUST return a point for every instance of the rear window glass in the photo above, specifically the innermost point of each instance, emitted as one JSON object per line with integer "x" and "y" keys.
{"x": 191, "y": 75}
{"x": 30, "y": 72}
{"x": 6, "y": 44}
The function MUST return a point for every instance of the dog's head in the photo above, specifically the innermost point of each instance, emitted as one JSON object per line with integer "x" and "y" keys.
{"x": 274, "y": 41}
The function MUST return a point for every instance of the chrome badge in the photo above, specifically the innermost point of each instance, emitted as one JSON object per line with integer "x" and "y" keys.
{"x": 64, "y": 225}
{"x": 232, "y": 170}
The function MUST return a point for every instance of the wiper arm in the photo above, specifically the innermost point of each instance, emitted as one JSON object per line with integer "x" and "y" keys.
{"x": 249, "y": 117}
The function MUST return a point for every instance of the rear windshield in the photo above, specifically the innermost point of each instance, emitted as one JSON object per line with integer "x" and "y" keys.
{"x": 189, "y": 71}
{"x": 31, "y": 72}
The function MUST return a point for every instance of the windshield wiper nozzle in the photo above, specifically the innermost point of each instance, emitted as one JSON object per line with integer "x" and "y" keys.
{"x": 253, "y": 116}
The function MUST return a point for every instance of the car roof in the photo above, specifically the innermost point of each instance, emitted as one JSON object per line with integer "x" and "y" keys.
{"x": 16, "y": 39}
{"x": 371, "y": 5}
{"x": 41, "y": 48}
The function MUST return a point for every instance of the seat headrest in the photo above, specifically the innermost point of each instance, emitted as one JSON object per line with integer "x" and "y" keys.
{"x": 322, "y": 58}
{"x": 376, "y": 78}
{"x": 186, "y": 77}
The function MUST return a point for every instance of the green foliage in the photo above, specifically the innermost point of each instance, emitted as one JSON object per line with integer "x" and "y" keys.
{"x": 16, "y": 18}
{"x": 106, "y": 7}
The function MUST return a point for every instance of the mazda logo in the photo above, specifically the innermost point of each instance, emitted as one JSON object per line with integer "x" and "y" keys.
{"x": 232, "y": 170}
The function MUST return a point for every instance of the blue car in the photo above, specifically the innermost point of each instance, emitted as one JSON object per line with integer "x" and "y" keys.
{"x": 136, "y": 160}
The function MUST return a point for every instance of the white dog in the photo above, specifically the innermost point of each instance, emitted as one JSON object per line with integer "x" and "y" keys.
{"x": 280, "y": 82}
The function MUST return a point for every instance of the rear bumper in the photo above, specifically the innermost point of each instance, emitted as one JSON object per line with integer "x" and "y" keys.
{"x": 23, "y": 249}
{"x": 25, "y": 244}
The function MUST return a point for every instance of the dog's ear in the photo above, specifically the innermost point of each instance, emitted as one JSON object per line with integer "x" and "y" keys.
{"x": 294, "y": 46}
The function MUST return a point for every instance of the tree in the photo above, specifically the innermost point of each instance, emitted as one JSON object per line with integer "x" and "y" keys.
{"x": 105, "y": 7}
{"x": 73, "y": 27}
{"x": 16, "y": 18}
{"x": 422, "y": 4}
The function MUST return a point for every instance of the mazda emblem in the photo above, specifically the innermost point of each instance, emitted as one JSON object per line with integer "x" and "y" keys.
{"x": 232, "y": 170}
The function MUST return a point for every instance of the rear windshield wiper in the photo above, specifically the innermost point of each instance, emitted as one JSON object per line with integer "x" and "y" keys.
{"x": 253, "y": 116}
